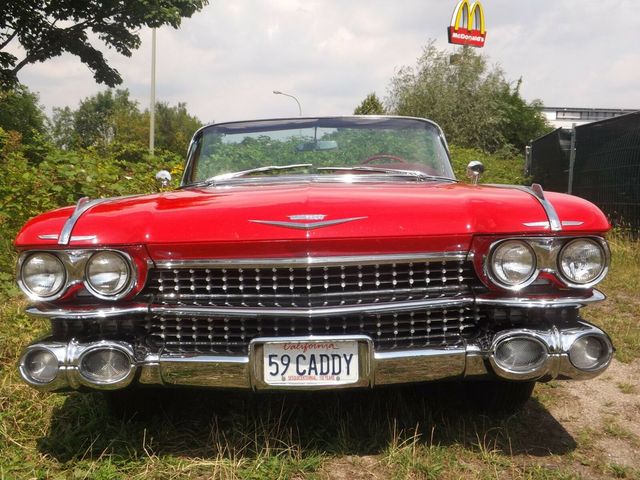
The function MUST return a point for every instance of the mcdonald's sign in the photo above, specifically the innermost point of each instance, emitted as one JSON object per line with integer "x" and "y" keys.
{"x": 467, "y": 24}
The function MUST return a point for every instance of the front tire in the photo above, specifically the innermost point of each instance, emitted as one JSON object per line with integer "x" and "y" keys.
{"x": 498, "y": 396}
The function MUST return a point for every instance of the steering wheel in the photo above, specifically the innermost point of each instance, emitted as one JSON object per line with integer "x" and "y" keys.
{"x": 380, "y": 156}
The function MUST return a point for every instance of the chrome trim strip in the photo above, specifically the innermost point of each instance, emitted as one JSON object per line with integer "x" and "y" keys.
{"x": 529, "y": 302}
{"x": 310, "y": 260}
{"x": 307, "y": 225}
{"x": 536, "y": 192}
{"x": 90, "y": 312}
{"x": 74, "y": 238}
{"x": 311, "y": 312}
{"x": 565, "y": 223}
{"x": 82, "y": 206}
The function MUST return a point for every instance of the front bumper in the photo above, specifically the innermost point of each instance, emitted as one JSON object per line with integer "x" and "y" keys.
{"x": 470, "y": 360}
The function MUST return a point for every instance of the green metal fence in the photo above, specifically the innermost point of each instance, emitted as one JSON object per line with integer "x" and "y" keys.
{"x": 598, "y": 161}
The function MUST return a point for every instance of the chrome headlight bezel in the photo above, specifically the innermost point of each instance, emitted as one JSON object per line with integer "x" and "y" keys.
{"x": 74, "y": 262}
{"x": 604, "y": 268}
{"x": 495, "y": 277}
{"x": 122, "y": 290}
{"x": 57, "y": 293}
{"x": 547, "y": 250}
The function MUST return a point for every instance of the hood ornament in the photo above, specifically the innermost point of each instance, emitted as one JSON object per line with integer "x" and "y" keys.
{"x": 307, "y": 221}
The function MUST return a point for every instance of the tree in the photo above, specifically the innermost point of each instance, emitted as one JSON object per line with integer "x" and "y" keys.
{"x": 112, "y": 119}
{"x": 371, "y": 105}
{"x": 474, "y": 104}
{"x": 99, "y": 120}
{"x": 49, "y": 28}
{"x": 20, "y": 112}
{"x": 61, "y": 128}
{"x": 174, "y": 127}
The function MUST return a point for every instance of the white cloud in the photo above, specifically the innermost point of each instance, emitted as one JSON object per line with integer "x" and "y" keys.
{"x": 226, "y": 60}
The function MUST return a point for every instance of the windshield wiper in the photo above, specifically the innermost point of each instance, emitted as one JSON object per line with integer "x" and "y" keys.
{"x": 229, "y": 176}
{"x": 417, "y": 174}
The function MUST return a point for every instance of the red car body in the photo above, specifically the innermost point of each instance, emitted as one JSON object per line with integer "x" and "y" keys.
{"x": 374, "y": 219}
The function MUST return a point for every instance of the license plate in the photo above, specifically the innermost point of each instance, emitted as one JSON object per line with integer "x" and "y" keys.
{"x": 311, "y": 363}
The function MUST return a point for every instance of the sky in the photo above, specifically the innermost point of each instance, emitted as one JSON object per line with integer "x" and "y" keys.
{"x": 227, "y": 59}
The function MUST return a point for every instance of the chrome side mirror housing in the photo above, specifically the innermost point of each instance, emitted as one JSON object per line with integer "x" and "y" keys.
{"x": 475, "y": 169}
{"x": 163, "y": 178}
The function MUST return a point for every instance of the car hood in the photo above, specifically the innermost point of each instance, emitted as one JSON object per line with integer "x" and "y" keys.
{"x": 312, "y": 218}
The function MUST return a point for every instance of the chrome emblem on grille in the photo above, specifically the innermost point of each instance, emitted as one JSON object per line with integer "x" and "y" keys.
{"x": 308, "y": 225}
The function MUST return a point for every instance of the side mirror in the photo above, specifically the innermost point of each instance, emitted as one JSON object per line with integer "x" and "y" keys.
{"x": 475, "y": 169}
{"x": 163, "y": 178}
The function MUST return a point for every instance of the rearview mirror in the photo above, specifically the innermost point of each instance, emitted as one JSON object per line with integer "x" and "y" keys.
{"x": 163, "y": 178}
{"x": 475, "y": 169}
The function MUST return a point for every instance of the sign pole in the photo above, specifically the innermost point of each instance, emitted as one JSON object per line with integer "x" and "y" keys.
{"x": 152, "y": 106}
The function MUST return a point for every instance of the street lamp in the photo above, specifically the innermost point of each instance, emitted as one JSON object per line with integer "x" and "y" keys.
{"x": 278, "y": 92}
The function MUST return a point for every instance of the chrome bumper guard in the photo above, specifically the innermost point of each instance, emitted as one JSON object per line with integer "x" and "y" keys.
{"x": 467, "y": 361}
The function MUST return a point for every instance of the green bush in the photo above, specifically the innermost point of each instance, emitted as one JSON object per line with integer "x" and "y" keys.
{"x": 62, "y": 178}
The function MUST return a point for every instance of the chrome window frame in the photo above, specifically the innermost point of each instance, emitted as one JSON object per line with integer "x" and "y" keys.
{"x": 185, "y": 181}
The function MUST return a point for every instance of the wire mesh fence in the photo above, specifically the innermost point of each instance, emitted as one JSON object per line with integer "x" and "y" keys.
{"x": 605, "y": 168}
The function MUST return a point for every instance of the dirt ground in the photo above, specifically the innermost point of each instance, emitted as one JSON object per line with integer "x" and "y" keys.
{"x": 609, "y": 404}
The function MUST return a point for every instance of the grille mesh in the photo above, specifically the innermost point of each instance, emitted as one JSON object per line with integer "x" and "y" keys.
{"x": 285, "y": 287}
{"x": 313, "y": 286}
{"x": 420, "y": 328}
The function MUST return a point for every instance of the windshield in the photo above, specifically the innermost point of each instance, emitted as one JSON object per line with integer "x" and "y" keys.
{"x": 310, "y": 146}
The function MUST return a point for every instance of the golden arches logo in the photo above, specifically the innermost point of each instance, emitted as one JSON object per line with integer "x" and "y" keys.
{"x": 468, "y": 25}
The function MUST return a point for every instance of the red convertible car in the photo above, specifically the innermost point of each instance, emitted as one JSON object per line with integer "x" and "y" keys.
{"x": 317, "y": 253}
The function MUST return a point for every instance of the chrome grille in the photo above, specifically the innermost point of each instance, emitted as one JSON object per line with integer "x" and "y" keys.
{"x": 310, "y": 286}
{"x": 389, "y": 331}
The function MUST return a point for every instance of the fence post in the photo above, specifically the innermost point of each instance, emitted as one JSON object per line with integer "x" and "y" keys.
{"x": 572, "y": 158}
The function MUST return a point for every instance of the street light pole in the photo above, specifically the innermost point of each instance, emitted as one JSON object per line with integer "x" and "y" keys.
{"x": 152, "y": 106}
{"x": 278, "y": 92}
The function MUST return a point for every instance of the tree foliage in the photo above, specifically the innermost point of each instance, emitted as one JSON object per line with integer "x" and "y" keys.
{"x": 371, "y": 105}
{"x": 48, "y": 28}
{"x": 110, "y": 118}
{"x": 474, "y": 104}
{"x": 20, "y": 112}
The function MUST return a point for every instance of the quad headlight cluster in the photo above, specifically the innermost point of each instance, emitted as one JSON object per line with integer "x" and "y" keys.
{"x": 579, "y": 262}
{"x": 45, "y": 276}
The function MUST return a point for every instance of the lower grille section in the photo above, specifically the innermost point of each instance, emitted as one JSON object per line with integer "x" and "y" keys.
{"x": 389, "y": 331}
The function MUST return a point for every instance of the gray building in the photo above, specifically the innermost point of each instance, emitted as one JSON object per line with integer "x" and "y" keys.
{"x": 565, "y": 117}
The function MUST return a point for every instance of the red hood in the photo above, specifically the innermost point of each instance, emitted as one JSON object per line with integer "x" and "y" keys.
{"x": 216, "y": 222}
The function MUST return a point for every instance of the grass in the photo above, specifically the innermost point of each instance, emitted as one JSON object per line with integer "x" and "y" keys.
{"x": 418, "y": 433}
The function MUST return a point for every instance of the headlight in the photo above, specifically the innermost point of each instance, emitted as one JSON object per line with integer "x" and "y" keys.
{"x": 42, "y": 275}
{"x": 513, "y": 263}
{"x": 589, "y": 352}
{"x": 107, "y": 274}
{"x": 40, "y": 366}
{"x": 105, "y": 365}
{"x": 582, "y": 261}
